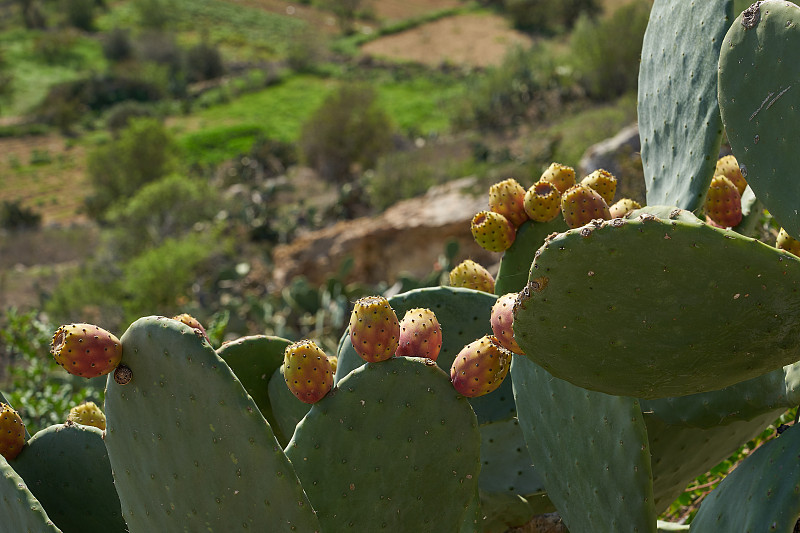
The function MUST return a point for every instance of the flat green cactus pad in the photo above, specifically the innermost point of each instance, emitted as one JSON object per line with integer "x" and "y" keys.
{"x": 287, "y": 409}
{"x": 759, "y": 96}
{"x": 189, "y": 449}
{"x": 382, "y": 449}
{"x": 679, "y": 120}
{"x": 66, "y": 467}
{"x": 594, "y": 438}
{"x": 761, "y": 494}
{"x": 254, "y": 359}
{"x": 654, "y": 308}
{"x": 21, "y": 512}
{"x": 516, "y": 263}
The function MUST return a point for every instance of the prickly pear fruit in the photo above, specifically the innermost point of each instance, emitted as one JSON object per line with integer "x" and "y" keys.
{"x": 493, "y": 231}
{"x": 506, "y": 198}
{"x": 480, "y": 367}
{"x": 88, "y": 414}
{"x": 788, "y": 243}
{"x": 622, "y": 207}
{"x": 502, "y": 320}
{"x": 192, "y": 322}
{"x": 374, "y": 329}
{"x": 334, "y": 361}
{"x": 86, "y": 350}
{"x": 307, "y": 371}
{"x": 603, "y": 182}
{"x": 581, "y": 204}
{"x": 562, "y": 176}
{"x": 729, "y": 167}
{"x": 12, "y": 432}
{"x": 420, "y": 334}
{"x": 542, "y": 201}
{"x": 471, "y": 275}
{"x": 723, "y": 202}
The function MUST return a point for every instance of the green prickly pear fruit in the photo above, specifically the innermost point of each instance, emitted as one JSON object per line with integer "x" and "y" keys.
{"x": 542, "y": 201}
{"x": 12, "y": 432}
{"x": 502, "y": 320}
{"x": 603, "y": 182}
{"x": 562, "y": 176}
{"x": 581, "y": 204}
{"x": 88, "y": 414}
{"x": 86, "y": 350}
{"x": 471, "y": 275}
{"x": 307, "y": 371}
{"x": 729, "y": 167}
{"x": 507, "y": 198}
{"x": 480, "y": 367}
{"x": 723, "y": 203}
{"x": 788, "y": 243}
{"x": 192, "y": 322}
{"x": 420, "y": 334}
{"x": 493, "y": 231}
{"x": 374, "y": 329}
{"x": 622, "y": 207}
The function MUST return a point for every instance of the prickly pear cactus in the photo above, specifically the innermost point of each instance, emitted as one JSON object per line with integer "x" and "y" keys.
{"x": 188, "y": 446}
{"x": 516, "y": 263}
{"x": 679, "y": 120}
{"x": 621, "y": 308}
{"x": 67, "y": 468}
{"x": 20, "y": 509}
{"x": 388, "y": 421}
{"x": 759, "y": 96}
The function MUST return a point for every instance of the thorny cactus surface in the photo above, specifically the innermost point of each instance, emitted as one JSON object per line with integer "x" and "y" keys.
{"x": 651, "y": 346}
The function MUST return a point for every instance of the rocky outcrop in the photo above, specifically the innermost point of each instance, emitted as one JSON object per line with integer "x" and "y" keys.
{"x": 621, "y": 156}
{"x": 408, "y": 238}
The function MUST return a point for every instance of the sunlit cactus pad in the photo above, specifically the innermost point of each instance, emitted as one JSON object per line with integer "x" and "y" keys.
{"x": 377, "y": 453}
{"x": 654, "y": 308}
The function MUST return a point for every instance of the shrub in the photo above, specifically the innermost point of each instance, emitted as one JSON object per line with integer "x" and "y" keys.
{"x": 305, "y": 50}
{"x": 15, "y": 216}
{"x": 144, "y": 152}
{"x": 119, "y": 116}
{"x": 607, "y": 52}
{"x": 55, "y": 47}
{"x": 117, "y": 45}
{"x": 348, "y": 129}
{"x": 80, "y": 14}
{"x": 203, "y": 62}
{"x": 155, "y": 14}
{"x": 549, "y": 16}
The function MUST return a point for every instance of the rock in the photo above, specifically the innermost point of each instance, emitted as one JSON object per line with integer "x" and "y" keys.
{"x": 621, "y": 156}
{"x": 407, "y": 238}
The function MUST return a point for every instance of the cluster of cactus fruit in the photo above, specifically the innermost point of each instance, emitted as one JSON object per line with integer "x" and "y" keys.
{"x": 619, "y": 352}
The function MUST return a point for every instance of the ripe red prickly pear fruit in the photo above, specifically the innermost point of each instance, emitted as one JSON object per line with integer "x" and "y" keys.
{"x": 12, "y": 432}
{"x": 723, "y": 203}
{"x": 603, "y": 182}
{"x": 420, "y": 334}
{"x": 86, "y": 350}
{"x": 192, "y": 322}
{"x": 622, "y": 207}
{"x": 581, "y": 204}
{"x": 729, "y": 167}
{"x": 471, "y": 275}
{"x": 562, "y": 176}
{"x": 542, "y": 201}
{"x": 87, "y": 414}
{"x": 502, "y": 321}
{"x": 480, "y": 367}
{"x": 374, "y": 329}
{"x": 788, "y": 243}
{"x": 493, "y": 231}
{"x": 307, "y": 371}
{"x": 507, "y": 198}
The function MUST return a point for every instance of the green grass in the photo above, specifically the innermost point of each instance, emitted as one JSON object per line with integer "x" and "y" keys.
{"x": 211, "y": 146}
{"x": 421, "y": 105}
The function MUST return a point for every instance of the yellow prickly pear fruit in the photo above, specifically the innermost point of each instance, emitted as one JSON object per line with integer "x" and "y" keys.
{"x": 542, "y": 201}
{"x": 728, "y": 166}
{"x": 12, "y": 432}
{"x": 493, "y": 231}
{"x": 88, "y": 414}
{"x": 788, "y": 243}
{"x": 603, "y": 182}
{"x": 471, "y": 275}
{"x": 561, "y": 176}
{"x": 507, "y": 198}
{"x": 623, "y": 206}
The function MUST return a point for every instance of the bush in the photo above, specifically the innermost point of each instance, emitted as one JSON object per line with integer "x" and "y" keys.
{"x": 15, "y": 216}
{"x": 348, "y": 129}
{"x": 55, "y": 47}
{"x": 549, "y": 16}
{"x": 80, "y": 14}
{"x": 155, "y": 14}
{"x": 144, "y": 153}
{"x": 607, "y": 52}
{"x": 120, "y": 116}
{"x": 203, "y": 62}
{"x": 117, "y": 45}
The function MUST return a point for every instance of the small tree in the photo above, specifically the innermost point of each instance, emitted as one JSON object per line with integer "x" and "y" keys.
{"x": 348, "y": 129}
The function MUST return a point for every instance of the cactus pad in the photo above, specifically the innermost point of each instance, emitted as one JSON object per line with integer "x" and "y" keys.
{"x": 20, "y": 509}
{"x": 188, "y": 447}
{"x": 393, "y": 438}
{"x": 679, "y": 120}
{"x": 621, "y": 308}
{"x": 516, "y": 262}
{"x": 759, "y": 96}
